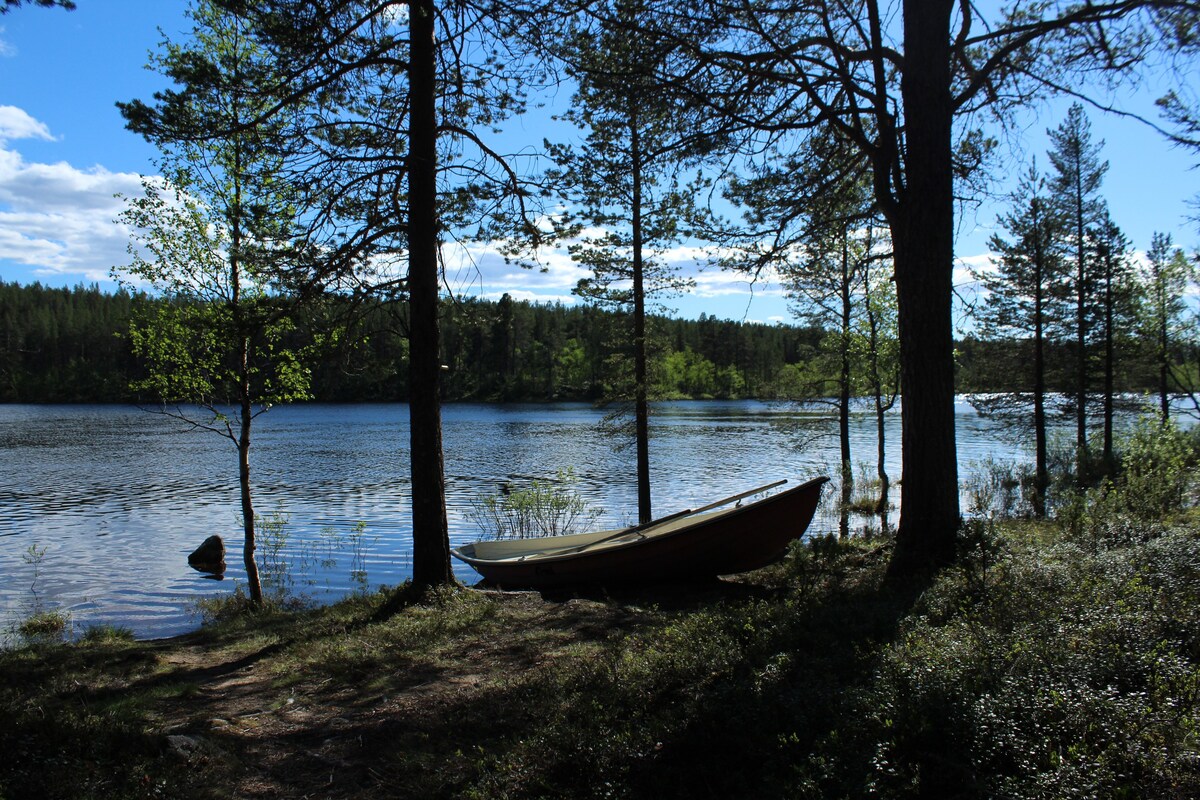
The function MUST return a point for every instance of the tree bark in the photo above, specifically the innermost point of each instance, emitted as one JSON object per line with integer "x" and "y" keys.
{"x": 249, "y": 545}
{"x": 1110, "y": 356}
{"x": 924, "y": 260}
{"x": 844, "y": 385}
{"x": 1081, "y": 385}
{"x": 245, "y": 399}
{"x": 431, "y": 542}
{"x": 1041, "y": 475}
{"x": 641, "y": 404}
{"x": 1164, "y": 352}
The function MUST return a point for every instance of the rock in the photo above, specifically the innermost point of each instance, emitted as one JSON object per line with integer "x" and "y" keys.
{"x": 209, "y": 556}
{"x": 184, "y": 747}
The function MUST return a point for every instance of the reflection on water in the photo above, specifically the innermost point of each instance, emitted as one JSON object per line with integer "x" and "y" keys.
{"x": 119, "y": 497}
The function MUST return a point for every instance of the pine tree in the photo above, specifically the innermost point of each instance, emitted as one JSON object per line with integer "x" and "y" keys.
{"x": 1118, "y": 302}
{"x": 622, "y": 180}
{"x": 1165, "y": 279}
{"x": 1024, "y": 294}
{"x": 1075, "y": 194}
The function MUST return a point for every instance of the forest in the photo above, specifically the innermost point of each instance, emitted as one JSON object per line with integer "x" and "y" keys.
{"x": 72, "y": 345}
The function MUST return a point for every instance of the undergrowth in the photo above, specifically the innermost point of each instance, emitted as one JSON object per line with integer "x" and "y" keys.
{"x": 1056, "y": 658}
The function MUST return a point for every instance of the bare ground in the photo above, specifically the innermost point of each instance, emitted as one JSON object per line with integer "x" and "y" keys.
{"x": 269, "y": 722}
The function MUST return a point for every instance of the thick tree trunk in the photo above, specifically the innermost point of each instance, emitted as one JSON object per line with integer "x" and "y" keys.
{"x": 431, "y": 543}
{"x": 641, "y": 409}
{"x": 924, "y": 261}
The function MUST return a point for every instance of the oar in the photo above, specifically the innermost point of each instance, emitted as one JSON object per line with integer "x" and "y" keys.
{"x": 662, "y": 520}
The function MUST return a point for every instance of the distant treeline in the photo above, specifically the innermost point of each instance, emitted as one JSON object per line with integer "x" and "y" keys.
{"x": 70, "y": 345}
{"x": 1002, "y": 365}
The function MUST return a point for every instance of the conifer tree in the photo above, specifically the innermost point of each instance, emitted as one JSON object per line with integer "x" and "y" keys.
{"x": 1165, "y": 279}
{"x": 623, "y": 180}
{"x": 1075, "y": 194}
{"x": 1118, "y": 307}
{"x": 1024, "y": 296}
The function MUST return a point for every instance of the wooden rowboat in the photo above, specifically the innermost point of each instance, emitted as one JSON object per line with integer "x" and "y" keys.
{"x": 684, "y": 546}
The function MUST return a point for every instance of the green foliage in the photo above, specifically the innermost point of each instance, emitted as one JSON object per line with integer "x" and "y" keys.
{"x": 1157, "y": 470}
{"x": 106, "y": 635}
{"x": 1068, "y": 678}
{"x": 1155, "y": 481}
{"x": 542, "y": 508}
{"x": 45, "y": 625}
{"x": 74, "y": 345}
{"x": 64, "y": 345}
{"x": 1034, "y": 668}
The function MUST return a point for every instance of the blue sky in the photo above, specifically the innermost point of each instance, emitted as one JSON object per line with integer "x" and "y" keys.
{"x": 64, "y": 154}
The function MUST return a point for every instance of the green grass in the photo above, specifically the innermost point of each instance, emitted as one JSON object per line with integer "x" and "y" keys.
{"x": 1040, "y": 666}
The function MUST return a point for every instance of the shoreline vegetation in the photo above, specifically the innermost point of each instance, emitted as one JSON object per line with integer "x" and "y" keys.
{"x": 1055, "y": 658}
{"x": 1052, "y": 661}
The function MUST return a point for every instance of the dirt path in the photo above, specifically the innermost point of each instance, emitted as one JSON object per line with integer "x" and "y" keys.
{"x": 280, "y": 734}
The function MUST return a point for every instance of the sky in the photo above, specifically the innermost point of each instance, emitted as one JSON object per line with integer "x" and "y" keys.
{"x": 65, "y": 156}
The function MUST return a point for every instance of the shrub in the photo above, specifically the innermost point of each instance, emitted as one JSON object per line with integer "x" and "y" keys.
{"x": 1078, "y": 678}
{"x": 543, "y": 508}
{"x": 1157, "y": 468}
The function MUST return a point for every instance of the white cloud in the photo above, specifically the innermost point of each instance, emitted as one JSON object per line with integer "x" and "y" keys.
{"x": 58, "y": 218}
{"x": 723, "y": 283}
{"x": 15, "y": 123}
{"x": 532, "y": 297}
{"x": 965, "y": 268}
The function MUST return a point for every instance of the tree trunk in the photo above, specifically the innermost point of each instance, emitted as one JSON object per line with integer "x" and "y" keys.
{"x": 1109, "y": 363}
{"x": 249, "y": 545}
{"x": 1081, "y": 443}
{"x": 844, "y": 384}
{"x": 246, "y": 407}
{"x": 431, "y": 542}
{"x": 1041, "y": 475}
{"x": 924, "y": 261}
{"x": 1164, "y": 354}
{"x": 641, "y": 404}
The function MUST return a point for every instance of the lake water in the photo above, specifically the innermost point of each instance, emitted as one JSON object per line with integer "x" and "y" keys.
{"x": 115, "y": 498}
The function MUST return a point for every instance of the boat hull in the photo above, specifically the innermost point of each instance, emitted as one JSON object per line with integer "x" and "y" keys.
{"x": 722, "y": 543}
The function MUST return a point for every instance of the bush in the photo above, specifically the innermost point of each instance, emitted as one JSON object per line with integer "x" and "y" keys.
{"x": 1156, "y": 471}
{"x": 1077, "y": 678}
{"x": 543, "y": 508}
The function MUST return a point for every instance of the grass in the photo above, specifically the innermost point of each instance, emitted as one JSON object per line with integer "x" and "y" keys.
{"x": 1041, "y": 665}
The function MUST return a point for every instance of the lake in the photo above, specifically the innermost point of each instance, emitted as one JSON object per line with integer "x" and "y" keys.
{"x": 114, "y": 498}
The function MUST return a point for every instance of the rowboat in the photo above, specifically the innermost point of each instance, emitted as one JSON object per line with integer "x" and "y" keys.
{"x": 691, "y": 544}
